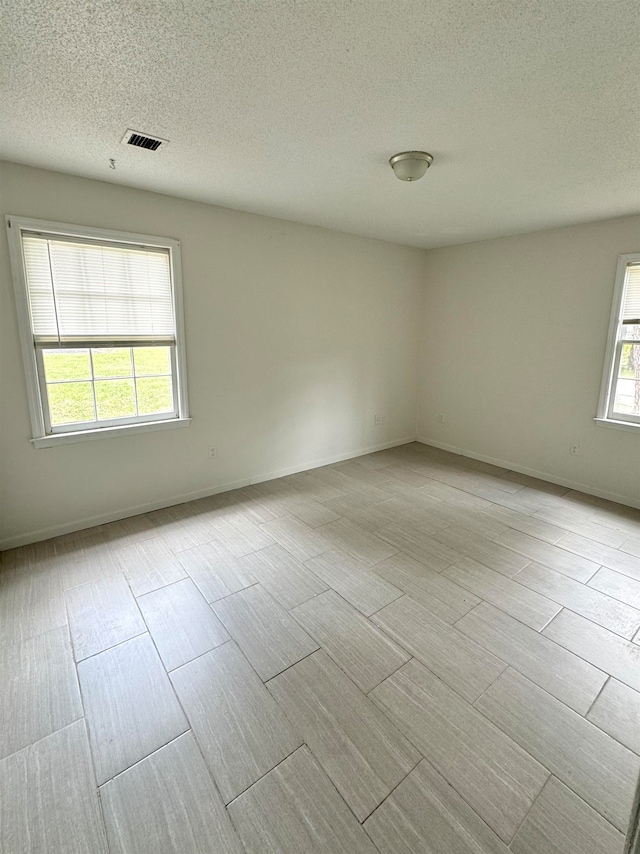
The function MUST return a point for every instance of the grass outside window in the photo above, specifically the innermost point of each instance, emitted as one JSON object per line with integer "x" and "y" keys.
{"x": 107, "y": 383}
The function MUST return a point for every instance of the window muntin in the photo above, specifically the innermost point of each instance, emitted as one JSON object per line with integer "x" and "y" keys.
{"x": 620, "y": 395}
{"x": 107, "y": 386}
{"x": 101, "y": 327}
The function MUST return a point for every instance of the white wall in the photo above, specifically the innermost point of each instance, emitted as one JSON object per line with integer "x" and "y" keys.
{"x": 296, "y": 337}
{"x": 513, "y": 340}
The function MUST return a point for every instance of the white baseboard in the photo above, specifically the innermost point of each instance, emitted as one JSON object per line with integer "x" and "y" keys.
{"x": 542, "y": 475}
{"x": 182, "y": 498}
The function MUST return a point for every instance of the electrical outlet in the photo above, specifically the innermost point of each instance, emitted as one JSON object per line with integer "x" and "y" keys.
{"x": 574, "y": 448}
{"x": 379, "y": 419}
{"x": 212, "y": 452}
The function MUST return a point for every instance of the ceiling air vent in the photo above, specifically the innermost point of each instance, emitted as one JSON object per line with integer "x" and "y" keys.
{"x": 143, "y": 140}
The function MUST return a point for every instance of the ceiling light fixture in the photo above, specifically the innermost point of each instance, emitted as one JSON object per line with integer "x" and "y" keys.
{"x": 410, "y": 165}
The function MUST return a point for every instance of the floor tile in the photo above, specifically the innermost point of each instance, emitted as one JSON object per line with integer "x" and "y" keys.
{"x": 269, "y": 500}
{"x": 256, "y": 507}
{"x": 431, "y": 589}
{"x": 421, "y": 513}
{"x": 49, "y": 802}
{"x": 361, "y": 751}
{"x": 484, "y": 483}
{"x": 405, "y": 475}
{"x": 84, "y": 560}
{"x": 527, "y": 500}
{"x": 239, "y": 727}
{"x": 464, "y": 665}
{"x": 301, "y": 541}
{"x": 178, "y": 529}
{"x": 39, "y": 689}
{"x": 130, "y": 706}
{"x": 311, "y": 512}
{"x": 568, "y": 520}
{"x": 532, "y": 525}
{"x": 267, "y": 635}
{"x": 399, "y": 489}
{"x": 482, "y": 550}
{"x": 615, "y": 655}
{"x": 470, "y": 519}
{"x": 529, "y": 607}
{"x": 354, "y": 581}
{"x": 282, "y": 575}
{"x": 102, "y": 614}
{"x": 33, "y": 555}
{"x": 421, "y": 546}
{"x": 317, "y": 484}
{"x": 491, "y": 772}
{"x": 582, "y": 599}
{"x": 216, "y": 571}
{"x": 195, "y": 529}
{"x": 148, "y": 565}
{"x": 133, "y": 529}
{"x": 564, "y": 675}
{"x": 562, "y": 823}
{"x": 617, "y": 712}
{"x": 329, "y": 476}
{"x": 631, "y": 545}
{"x": 167, "y": 804}
{"x": 534, "y": 482}
{"x": 31, "y": 602}
{"x": 240, "y": 535}
{"x": 614, "y": 559}
{"x": 295, "y": 808}
{"x": 360, "y": 470}
{"x": 376, "y": 493}
{"x": 425, "y": 815}
{"x": 488, "y": 489}
{"x": 487, "y": 570}
{"x": 452, "y": 495}
{"x": 365, "y": 653}
{"x": 597, "y": 768}
{"x": 554, "y": 557}
{"x": 619, "y": 586}
{"x": 369, "y": 517}
{"x": 354, "y": 540}
{"x": 616, "y": 516}
{"x": 181, "y": 623}
{"x": 273, "y": 499}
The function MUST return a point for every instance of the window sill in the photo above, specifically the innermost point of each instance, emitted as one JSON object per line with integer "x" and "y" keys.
{"x": 107, "y": 432}
{"x": 617, "y": 425}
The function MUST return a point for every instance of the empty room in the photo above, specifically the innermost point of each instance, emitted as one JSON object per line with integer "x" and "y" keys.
{"x": 319, "y": 427}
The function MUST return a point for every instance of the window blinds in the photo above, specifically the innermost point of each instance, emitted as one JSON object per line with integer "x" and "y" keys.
{"x": 83, "y": 292}
{"x": 631, "y": 305}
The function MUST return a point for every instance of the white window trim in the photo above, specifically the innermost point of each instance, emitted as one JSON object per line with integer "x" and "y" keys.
{"x": 605, "y": 418}
{"x": 42, "y": 439}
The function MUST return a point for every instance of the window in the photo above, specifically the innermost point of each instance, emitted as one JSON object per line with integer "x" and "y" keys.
{"x": 620, "y": 393}
{"x": 101, "y": 329}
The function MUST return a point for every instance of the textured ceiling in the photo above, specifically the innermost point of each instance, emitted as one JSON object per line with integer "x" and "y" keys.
{"x": 291, "y": 108}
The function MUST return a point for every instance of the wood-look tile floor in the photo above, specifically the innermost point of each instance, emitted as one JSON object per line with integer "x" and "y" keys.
{"x": 406, "y": 653}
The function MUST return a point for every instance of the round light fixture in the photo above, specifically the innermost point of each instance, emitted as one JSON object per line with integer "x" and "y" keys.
{"x": 410, "y": 165}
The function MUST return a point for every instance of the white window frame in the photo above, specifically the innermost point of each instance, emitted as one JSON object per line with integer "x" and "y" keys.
{"x": 44, "y": 436}
{"x": 606, "y": 417}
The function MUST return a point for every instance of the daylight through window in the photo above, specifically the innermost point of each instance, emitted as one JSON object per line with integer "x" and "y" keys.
{"x": 103, "y": 330}
{"x": 620, "y": 399}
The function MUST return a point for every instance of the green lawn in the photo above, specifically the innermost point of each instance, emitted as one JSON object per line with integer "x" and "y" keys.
{"x": 120, "y": 377}
{"x": 628, "y": 361}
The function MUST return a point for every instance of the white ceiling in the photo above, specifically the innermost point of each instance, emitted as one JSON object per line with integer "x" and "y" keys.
{"x": 291, "y": 108}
